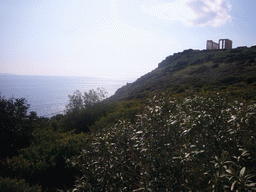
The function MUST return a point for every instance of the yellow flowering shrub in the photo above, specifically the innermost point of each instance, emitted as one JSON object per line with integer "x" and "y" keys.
{"x": 44, "y": 160}
{"x": 14, "y": 185}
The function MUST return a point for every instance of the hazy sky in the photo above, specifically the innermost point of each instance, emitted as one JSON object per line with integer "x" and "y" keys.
{"x": 114, "y": 38}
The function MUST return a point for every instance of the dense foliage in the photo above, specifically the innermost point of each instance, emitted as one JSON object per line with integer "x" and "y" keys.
{"x": 14, "y": 185}
{"x": 15, "y": 126}
{"x": 184, "y": 142}
{"x": 44, "y": 160}
{"x": 188, "y": 143}
{"x": 84, "y": 110}
{"x": 88, "y": 112}
{"x": 179, "y": 140}
{"x": 194, "y": 68}
{"x": 77, "y": 101}
{"x": 40, "y": 165}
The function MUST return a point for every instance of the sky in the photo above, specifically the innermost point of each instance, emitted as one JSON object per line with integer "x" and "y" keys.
{"x": 121, "y": 39}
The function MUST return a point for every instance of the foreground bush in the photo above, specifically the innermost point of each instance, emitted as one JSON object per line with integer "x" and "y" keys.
{"x": 14, "y": 185}
{"x": 43, "y": 162}
{"x": 16, "y": 126}
{"x": 194, "y": 142}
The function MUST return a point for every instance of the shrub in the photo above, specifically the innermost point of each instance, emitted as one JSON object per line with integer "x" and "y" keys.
{"x": 230, "y": 80}
{"x": 250, "y": 79}
{"x": 125, "y": 110}
{"x": 77, "y": 101}
{"x": 215, "y": 66}
{"x": 15, "y": 126}
{"x": 188, "y": 143}
{"x": 14, "y": 185}
{"x": 44, "y": 161}
{"x": 200, "y": 69}
{"x": 180, "y": 65}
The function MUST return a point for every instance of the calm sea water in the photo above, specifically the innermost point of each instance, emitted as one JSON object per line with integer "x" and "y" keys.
{"x": 48, "y": 95}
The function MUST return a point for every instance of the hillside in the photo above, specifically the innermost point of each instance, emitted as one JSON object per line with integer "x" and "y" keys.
{"x": 198, "y": 140}
{"x": 195, "y": 68}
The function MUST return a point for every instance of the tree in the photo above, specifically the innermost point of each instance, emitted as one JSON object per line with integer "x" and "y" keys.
{"x": 15, "y": 125}
{"x": 91, "y": 97}
{"x": 77, "y": 101}
{"x": 83, "y": 110}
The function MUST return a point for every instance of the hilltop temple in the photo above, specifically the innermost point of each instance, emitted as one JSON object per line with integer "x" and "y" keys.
{"x": 223, "y": 44}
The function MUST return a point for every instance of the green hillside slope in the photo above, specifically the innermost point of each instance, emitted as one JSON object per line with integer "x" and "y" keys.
{"x": 194, "y": 68}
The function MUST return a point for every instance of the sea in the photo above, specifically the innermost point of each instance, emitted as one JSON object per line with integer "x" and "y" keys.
{"x": 48, "y": 95}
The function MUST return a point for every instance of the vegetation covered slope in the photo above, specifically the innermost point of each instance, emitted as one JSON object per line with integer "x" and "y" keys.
{"x": 194, "y": 132}
{"x": 194, "y": 68}
{"x": 193, "y": 142}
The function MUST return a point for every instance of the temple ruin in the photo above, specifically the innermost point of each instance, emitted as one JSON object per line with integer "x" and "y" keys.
{"x": 223, "y": 44}
{"x": 210, "y": 45}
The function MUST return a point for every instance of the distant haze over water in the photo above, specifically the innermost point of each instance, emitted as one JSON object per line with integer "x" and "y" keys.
{"x": 48, "y": 95}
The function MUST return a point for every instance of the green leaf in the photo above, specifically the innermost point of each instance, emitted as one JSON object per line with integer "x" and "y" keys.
{"x": 251, "y": 185}
{"x": 249, "y": 176}
{"x": 245, "y": 153}
{"x": 242, "y": 172}
{"x": 229, "y": 171}
{"x": 229, "y": 162}
{"x": 233, "y": 185}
